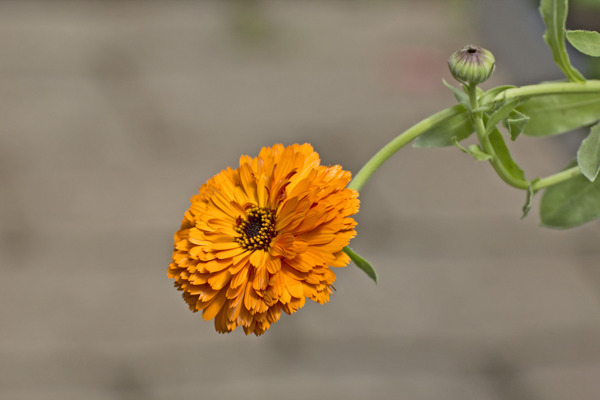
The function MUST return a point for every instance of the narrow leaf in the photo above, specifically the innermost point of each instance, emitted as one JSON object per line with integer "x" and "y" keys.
{"x": 473, "y": 150}
{"x": 588, "y": 155}
{"x": 559, "y": 113}
{"x": 504, "y": 155}
{"x": 528, "y": 200}
{"x": 457, "y": 144}
{"x": 587, "y": 42}
{"x": 361, "y": 263}
{"x": 460, "y": 95}
{"x": 554, "y": 14}
{"x": 459, "y": 126}
{"x": 571, "y": 203}
{"x": 477, "y": 153}
{"x": 500, "y": 114}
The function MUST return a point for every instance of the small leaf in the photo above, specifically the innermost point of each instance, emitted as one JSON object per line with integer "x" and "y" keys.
{"x": 361, "y": 263}
{"x": 570, "y": 203}
{"x": 473, "y": 150}
{"x": 503, "y": 154}
{"x": 588, "y": 155}
{"x": 587, "y": 42}
{"x": 500, "y": 114}
{"x": 515, "y": 123}
{"x": 460, "y": 95}
{"x": 459, "y": 125}
{"x": 491, "y": 94}
{"x": 477, "y": 153}
{"x": 559, "y": 113}
{"x": 529, "y": 199}
{"x": 554, "y": 14}
{"x": 457, "y": 144}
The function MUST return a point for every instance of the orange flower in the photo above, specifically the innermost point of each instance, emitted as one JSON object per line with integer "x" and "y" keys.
{"x": 261, "y": 238}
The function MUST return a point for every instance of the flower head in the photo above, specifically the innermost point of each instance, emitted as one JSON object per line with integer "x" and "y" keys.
{"x": 260, "y": 239}
{"x": 472, "y": 64}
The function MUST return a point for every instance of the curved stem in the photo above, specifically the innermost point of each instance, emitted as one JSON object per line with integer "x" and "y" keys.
{"x": 400, "y": 141}
{"x": 590, "y": 86}
{"x": 542, "y": 89}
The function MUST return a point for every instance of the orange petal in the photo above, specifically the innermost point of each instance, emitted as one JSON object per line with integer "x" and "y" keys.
{"x": 259, "y": 258}
{"x": 235, "y": 292}
{"x": 283, "y": 246}
{"x": 233, "y": 311}
{"x": 219, "y": 280}
{"x": 250, "y": 299}
{"x": 214, "y": 306}
{"x": 272, "y": 264}
{"x": 241, "y": 277}
{"x": 224, "y": 245}
{"x": 262, "y": 192}
{"x": 261, "y": 279}
{"x": 230, "y": 253}
{"x": 248, "y": 181}
{"x": 293, "y": 286}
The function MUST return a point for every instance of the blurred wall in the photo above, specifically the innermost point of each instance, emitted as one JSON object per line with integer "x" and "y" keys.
{"x": 113, "y": 113}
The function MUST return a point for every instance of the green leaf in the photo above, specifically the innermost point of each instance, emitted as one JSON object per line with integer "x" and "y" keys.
{"x": 515, "y": 123}
{"x": 473, "y": 150}
{"x": 528, "y": 200}
{"x": 587, "y": 42}
{"x": 570, "y": 203}
{"x": 491, "y": 94}
{"x": 458, "y": 126}
{"x": 588, "y": 155}
{"x": 477, "y": 153}
{"x": 460, "y": 95}
{"x": 500, "y": 114}
{"x": 554, "y": 14}
{"x": 361, "y": 263}
{"x": 559, "y": 113}
{"x": 503, "y": 154}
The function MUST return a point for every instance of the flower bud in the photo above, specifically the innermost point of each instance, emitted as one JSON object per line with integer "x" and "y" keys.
{"x": 472, "y": 64}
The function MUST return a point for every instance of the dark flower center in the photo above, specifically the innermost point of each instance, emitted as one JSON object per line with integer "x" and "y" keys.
{"x": 257, "y": 230}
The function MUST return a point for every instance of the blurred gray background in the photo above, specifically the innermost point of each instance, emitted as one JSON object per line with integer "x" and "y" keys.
{"x": 113, "y": 113}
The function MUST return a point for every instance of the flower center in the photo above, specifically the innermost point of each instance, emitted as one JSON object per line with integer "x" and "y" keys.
{"x": 257, "y": 230}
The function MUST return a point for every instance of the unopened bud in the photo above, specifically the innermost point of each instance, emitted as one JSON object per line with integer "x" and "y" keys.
{"x": 472, "y": 64}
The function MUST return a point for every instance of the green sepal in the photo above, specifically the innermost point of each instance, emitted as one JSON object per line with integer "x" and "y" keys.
{"x": 361, "y": 263}
{"x": 500, "y": 114}
{"x": 458, "y": 126}
{"x": 473, "y": 150}
{"x": 461, "y": 96}
{"x": 571, "y": 203}
{"x": 554, "y": 14}
{"x": 588, "y": 155}
{"x": 559, "y": 113}
{"x": 515, "y": 123}
{"x": 587, "y": 42}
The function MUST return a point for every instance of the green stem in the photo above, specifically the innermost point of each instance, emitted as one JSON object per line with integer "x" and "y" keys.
{"x": 556, "y": 178}
{"x": 400, "y": 141}
{"x": 543, "y": 89}
{"x": 486, "y": 145}
{"x": 590, "y": 86}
